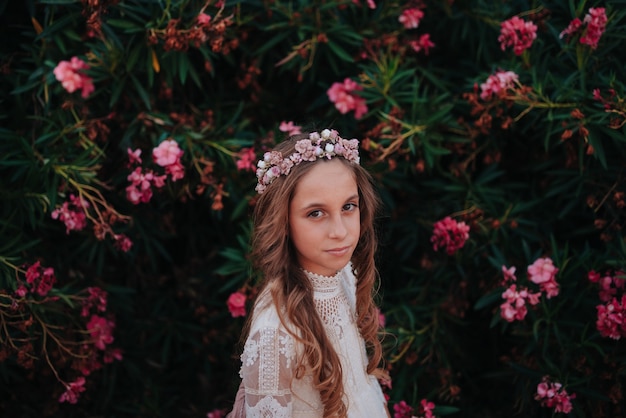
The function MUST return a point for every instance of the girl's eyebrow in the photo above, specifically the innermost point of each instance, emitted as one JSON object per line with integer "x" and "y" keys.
{"x": 318, "y": 205}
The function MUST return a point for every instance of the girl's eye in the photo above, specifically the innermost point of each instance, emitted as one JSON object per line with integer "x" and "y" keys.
{"x": 350, "y": 207}
{"x": 315, "y": 214}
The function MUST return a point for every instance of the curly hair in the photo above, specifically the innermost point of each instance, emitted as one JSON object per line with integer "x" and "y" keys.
{"x": 291, "y": 289}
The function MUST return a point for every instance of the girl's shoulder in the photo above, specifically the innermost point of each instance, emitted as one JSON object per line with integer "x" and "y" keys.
{"x": 265, "y": 314}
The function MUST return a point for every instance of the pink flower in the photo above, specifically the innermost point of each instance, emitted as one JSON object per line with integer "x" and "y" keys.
{"x": 122, "y": 242}
{"x": 449, "y": 234}
{"x": 41, "y": 280}
{"x": 167, "y": 153}
{"x": 552, "y": 395}
{"x": 571, "y": 29}
{"x": 73, "y": 391}
{"x": 345, "y": 100}
{"x": 509, "y": 274}
{"x": 101, "y": 330}
{"x": 543, "y": 273}
{"x": 496, "y": 83}
{"x": 611, "y": 320}
{"x": 402, "y": 410}
{"x": 216, "y": 413}
{"x": 237, "y": 304}
{"x": 381, "y": 318}
{"x": 514, "y": 308}
{"x": 140, "y": 189}
{"x": 134, "y": 157}
{"x": 426, "y": 408}
{"x": 72, "y": 77}
{"x": 246, "y": 161}
{"x": 596, "y": 24}
{"x": 72, "y": 214}
{"x": 422, "y": 44}
{"x": 410, "y": 18}
{"x": 290, "y": 128}
{"x": 204, "y": 19}
{"x": 96, "y": 299}
{"x": 517, "y": 33}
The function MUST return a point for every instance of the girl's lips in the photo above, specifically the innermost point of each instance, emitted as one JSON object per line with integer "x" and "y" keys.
{"x": 338, "y": 251}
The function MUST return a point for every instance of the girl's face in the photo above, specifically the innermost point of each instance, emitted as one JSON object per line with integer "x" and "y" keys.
{"x": 324, "y": 218}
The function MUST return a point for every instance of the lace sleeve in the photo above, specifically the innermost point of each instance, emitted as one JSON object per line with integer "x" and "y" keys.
{"x": 266, "y": 370}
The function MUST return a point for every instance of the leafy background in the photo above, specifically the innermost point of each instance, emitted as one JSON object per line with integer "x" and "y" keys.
{"x": 534, "y": 173}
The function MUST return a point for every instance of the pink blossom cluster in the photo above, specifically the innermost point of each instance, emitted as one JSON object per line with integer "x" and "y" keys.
{"x": 73, "y": 391}
{"x": 411, "y": 17}
{"x": 404, "y": 410}
{"x": 39, "y": 280}
{"x": 72, "y": 76}
{"x": 167, "y": 154}
{"x": 216, "y": 413}
{"x": 517, "y": 33}
{"x": 449, "y": 234}
{"x": 290, "y": 128}
{"x": 553, "y": 395}
{"x": 345, "y": 99}
{"x": 423, "y": 43}
{"x": 72, "y": 213}
{"x": 237, "y": 304}
{"x": 247, "y": 160}
{"x": 595, "y": 20}
{"x": 611, "y": 321}
{"x": 100, "y": 331}
{"x": 517, "y": 298}
{"x": 497, "y": 84}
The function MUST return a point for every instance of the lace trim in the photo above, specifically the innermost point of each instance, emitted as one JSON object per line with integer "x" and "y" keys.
{"x": 324, "y": 283}
{"x": 269, "y": 407}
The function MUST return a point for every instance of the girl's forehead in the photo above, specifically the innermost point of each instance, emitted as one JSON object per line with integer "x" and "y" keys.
{"x": 327, "y": 181}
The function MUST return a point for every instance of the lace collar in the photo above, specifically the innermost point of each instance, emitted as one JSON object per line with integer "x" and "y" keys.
{"x": 324, "y": 283}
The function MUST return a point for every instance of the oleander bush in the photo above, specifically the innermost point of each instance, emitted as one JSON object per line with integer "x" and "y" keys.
{"x": 129, "y": 134}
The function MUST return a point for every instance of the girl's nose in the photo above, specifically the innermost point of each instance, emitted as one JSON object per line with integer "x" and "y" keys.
{"x": 337, "y": 227}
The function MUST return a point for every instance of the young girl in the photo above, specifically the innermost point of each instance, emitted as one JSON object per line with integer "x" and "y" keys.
{"x": 312, "y": 347}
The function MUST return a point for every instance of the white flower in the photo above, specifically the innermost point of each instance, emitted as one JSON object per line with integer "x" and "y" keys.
{"x": 326, "y": 134}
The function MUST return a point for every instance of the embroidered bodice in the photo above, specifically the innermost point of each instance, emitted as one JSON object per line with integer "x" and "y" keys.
{"x": 270, "y": 353}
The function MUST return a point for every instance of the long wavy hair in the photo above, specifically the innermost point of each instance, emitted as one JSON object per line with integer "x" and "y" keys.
{"x": 291, "y": 290}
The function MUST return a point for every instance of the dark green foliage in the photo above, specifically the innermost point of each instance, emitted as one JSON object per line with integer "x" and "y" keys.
{"x": 537, "y": 171}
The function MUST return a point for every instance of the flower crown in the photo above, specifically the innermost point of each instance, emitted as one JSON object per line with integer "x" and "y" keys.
{"x": 326, "y": 144}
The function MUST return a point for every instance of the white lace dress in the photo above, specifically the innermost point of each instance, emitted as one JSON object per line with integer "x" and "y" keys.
{"x": 270, "y": 352}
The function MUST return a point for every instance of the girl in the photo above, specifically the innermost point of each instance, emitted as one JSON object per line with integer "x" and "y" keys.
{"x": 312, "y": 347}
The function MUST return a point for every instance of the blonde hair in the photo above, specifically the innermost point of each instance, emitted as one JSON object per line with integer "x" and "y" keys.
{"x": 291, "y": 289}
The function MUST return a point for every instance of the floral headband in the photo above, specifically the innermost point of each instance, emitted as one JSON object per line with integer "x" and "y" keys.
{"x": 326, "y": 144}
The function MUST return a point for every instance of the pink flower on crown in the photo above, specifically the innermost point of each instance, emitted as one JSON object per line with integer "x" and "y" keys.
{"x": 411, "y": 18}
{"x": 72, "y": 76}
{"x": 517, "y": 33}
